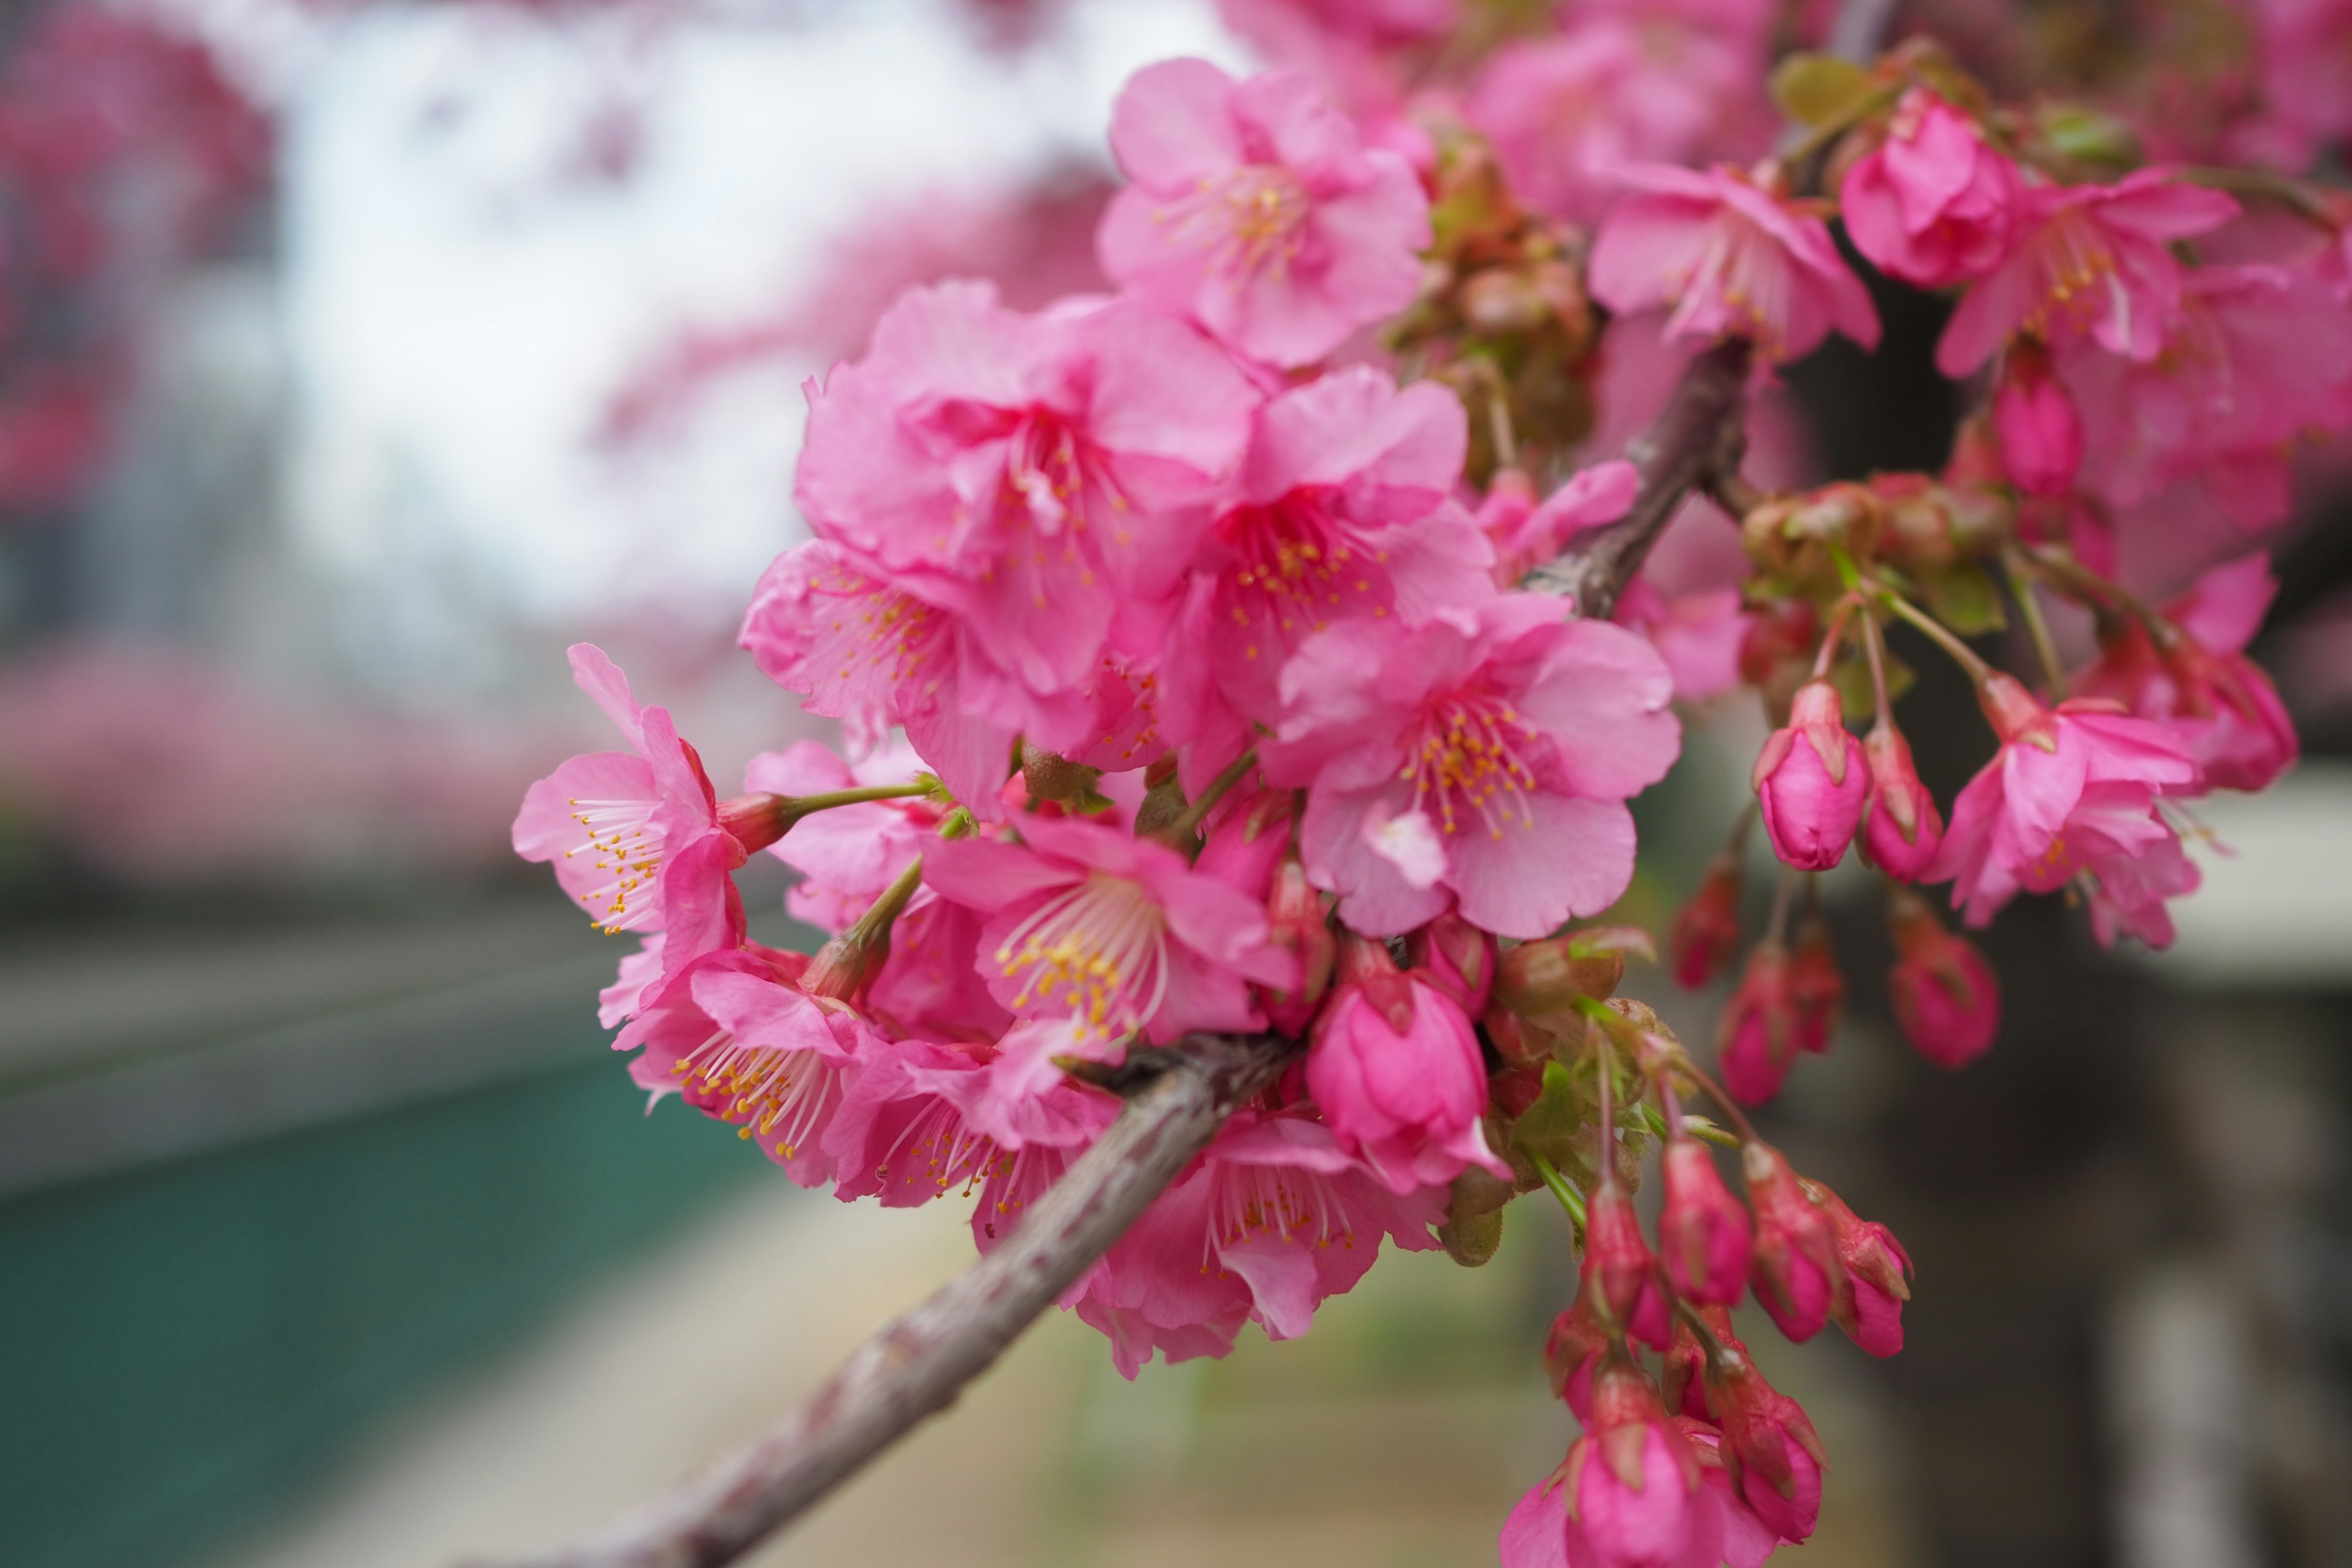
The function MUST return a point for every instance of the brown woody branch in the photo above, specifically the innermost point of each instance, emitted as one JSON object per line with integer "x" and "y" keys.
{"x": 915, "y": 1366}
{"x": 1698, "y": 437}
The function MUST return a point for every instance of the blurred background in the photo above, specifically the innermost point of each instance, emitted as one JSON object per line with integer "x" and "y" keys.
{"x": 354, "y": 359}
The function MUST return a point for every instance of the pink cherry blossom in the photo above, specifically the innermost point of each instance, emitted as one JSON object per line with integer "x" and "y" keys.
{"x": 2200, "y": 681}
{"x": 734, "y": 1034}
{"x": 1487, "y": 767}
{"x": 635, "y": 836}
{"x": 2260, "y": 355}
{"x": 1933, "y": 205}
{"x": 1044, "y": 478}
{"x": 873, "y": 656}
{"x": 914, "y": 1125}
{"x": 1106, "y": 934}
{"x": 1698, "y": 635}
{"x": 1564, "y": 111}
{"x": 1255, "y": 207}
{"x": 2071, "y": 793}
{"x": 1812, "y": 781}
{"x": 2088, "y": 260}
{"x": 1731, "y": 258}
{"x": 1342, "y": 510}
{"x": 1396, "y": 1071}
{"x": 1274, "y": 1218}
{"x": 1527, "y": 532}
{"x": 1748, "y": 1541}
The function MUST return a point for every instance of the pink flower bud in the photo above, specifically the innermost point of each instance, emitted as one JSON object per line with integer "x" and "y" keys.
{"x": 1457, "y": 958}
{"x": 1619, "y": 1269}
{"x": 1633, "y": 1494}
{"x": 1396, "y": 1071}
{"x": 2040, "y": 434}
{"x": 1813, "y": 793}
{"x": 1794, "y": 1267}
{"x": 1903, "y": 829}
{"x": 1685, "y": 1368}
{"x": 1572, "y": 1350}
{"x": 1757, "y": 1037}
{"x": 1947, "y": 998}
{"x": 1703, "y": 1231}
{"x": 1935, "y": 204}
{"x": 1295, "y": 922}
{"x": 1816, "y": 987}
{"x": 1770, "y": 1449}
{"x": 1706, "y": 932}
{"x": 1876, "y": 1275}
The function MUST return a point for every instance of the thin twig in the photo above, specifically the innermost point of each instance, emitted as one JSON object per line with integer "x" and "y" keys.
{"x": 917, "y": 1364}
{"x": 1699, "y": 434}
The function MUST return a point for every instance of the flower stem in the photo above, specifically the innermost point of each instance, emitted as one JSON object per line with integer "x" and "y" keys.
{"x": 1569, "y": 1198}
{"x": 1838, "y": 619}
{"x": 2046, "y": 646}
{"x": 1940, "y": 635}
{"x": 884, "y": 910}
{"x": 1181, "y": 831}
{"x": 803, "y": 805}
{"x": 1730, "y": 1107}
{"x": 1874, "y": 645}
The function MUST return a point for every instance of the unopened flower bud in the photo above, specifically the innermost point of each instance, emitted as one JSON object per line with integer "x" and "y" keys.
{"x": 1396, "y": 1070}
{"x": 1780, "y": 636}
{"x": 1903, "y": 829}
{"x": 1685, "y": 1382}
{"x": 1296, "y": 921}
{"x": 2040, "y": 434}
{"x": 756, "y": 821}
{"x": 1501, "y": 300}
{"x": 1703, "y": 1231}
{"x": 1945, "y": 996}
{"x": 1540, "y": 978}
{"x": 1619, "y": 1267}
{"x": 1457, "y": 958}
{"x": 1875, "y": 1276}
{"x": 1812, "y": 780}
{"x": 1572, "y": 1351}
{"x": 1769, "y": 1449}
{"x": 1706, "y": 932}
{"x": 1816, "y": 986}
{"x": 1794, "y": 1267}
{"x": 1756, "y": 1040}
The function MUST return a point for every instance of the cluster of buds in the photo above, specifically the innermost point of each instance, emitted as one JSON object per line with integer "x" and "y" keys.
{"x": 1675, "y": 1463}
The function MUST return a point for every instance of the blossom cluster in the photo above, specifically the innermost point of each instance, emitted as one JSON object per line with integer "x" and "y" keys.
{"x": 1187, "y": 684}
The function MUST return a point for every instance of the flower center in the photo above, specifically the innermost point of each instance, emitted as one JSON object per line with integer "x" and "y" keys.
{"x": 2072, "y": 258}
{"x": 1748, "y": 271}
{"x": 628, "y": 845}
{"x": 1464, "y": 760}
{"x": 1097, "y": 953}
{"x": 1295, "y": 561}
{"x": 1251, "y": 221}
{"x": 783, "y": 1096}
{"x": 1260, "y": 1201}
{"x": 947, "y": 1149}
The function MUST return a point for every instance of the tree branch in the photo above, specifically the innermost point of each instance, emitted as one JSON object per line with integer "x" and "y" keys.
{"x": 1698, "y": 435}
{"x": 1176, "y": 1100}
{"x": 917, "y": 1364}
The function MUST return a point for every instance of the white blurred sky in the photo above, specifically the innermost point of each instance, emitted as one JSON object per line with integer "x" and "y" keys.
{"x": 459, "y": 311}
